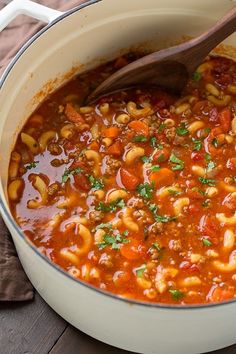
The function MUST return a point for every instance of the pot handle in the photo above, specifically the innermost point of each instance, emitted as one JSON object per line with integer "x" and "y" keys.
{"x": 29, "y": 8}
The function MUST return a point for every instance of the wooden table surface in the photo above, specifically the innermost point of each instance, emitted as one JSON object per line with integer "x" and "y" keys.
{"x": 33, "y": 327}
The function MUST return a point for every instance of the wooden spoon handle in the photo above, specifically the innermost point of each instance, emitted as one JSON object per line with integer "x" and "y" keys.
{"x": 202, "y": 45}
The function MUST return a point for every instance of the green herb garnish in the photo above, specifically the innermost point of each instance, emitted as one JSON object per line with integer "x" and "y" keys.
{"x": 182, "y": 129}
{"x": 155, "y": 168}
{"x": 154, "y": 143}
{"x": 215, "y": 142}
{"x": 145, "y": 190}
{"x": 179, "y": 164}
{"x": 176, "y": 294}
{"x": 139, "y": 271}
{"x": 197, "y": 144}
{"x": 107, "y": 225}
{"x": 198, "y": 190}
{"x": 146, "y": 159}
{"x": 160, "y": 218}
{"x": 173, "y": 192}
{"x": 206, "y": 242}
{"x": 67, "y": 173}
{"x": 162, "y": 126}
{"x": 31, "y": 165}
{"x": 197, "y": 76}
{"x": 119, "y": 203}
{"x": 115, "y": 241}
{"x": 96, "y": 183}
{"x": 139, "y": 138}
{"x": 211, "y": 165}
{"x": 207, "y": 157}
{"x": 210, "y": 182}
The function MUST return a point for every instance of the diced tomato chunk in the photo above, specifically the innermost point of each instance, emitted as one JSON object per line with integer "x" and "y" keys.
{"x": 115, "y": 149}
{"x": 73, "y": 115}
{"x": 225, "y": 118}
{"x": 217, "y": 294}
{"x": 128, "y": 179}
{"x": 139, "y": 127}
{"x": 132, "y": 250}
{"x": 161, "y": 155}
{"x": 81, "y": 182}
{"x": 163, "y": 177}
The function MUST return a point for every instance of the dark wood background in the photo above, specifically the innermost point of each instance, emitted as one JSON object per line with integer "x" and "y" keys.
{"x": 33, "y": 327}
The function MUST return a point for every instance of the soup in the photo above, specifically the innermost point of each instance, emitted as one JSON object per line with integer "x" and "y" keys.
{"x": 135, "y": 194}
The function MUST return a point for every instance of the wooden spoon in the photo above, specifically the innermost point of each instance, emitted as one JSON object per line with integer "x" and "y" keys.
{"x": 169, "y": 68}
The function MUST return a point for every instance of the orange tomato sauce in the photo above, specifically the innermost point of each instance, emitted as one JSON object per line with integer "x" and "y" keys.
{"x": 135, "y": 194}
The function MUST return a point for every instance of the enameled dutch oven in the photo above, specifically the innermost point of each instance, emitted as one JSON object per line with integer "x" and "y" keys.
{"x": 78, "y": 39}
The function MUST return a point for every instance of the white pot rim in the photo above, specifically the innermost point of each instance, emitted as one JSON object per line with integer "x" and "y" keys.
{"x": 20, "y": 233}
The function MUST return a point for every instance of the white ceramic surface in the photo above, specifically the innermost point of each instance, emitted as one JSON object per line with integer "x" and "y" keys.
{"x": 83, "y": 36}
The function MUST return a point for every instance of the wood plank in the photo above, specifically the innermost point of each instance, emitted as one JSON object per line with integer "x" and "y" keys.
{"x": 73, "y": 341}
{"x": 29, "y": 327}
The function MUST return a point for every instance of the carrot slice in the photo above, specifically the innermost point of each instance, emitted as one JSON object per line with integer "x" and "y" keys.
{"x": 112, "y": 132}
{"x": 94, "y": 145}
{"x": 139, "y": 127}
{"x": 131, "y": 250}
{"x": 219, "y": 294}
{"x": 115, "y": 149}
{"x": 129, "y": 181}
{"x": 73, "y": 115}
{"x": 163, "y": 177}
{"x": 225, "y": 118}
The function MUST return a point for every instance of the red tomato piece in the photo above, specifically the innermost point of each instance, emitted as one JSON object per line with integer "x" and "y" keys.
{"x": 132, "y": 250}
{"x": 217, "y": 294}
{"x": 81, "y": 182}
{"x": 129, "y": 180}
{"x": 225, "y": 118}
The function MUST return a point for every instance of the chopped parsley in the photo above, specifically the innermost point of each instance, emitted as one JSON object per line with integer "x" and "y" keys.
{"x": 198, "y": 190}
{"x": 215, "y": 143}
{"x": 207, "y": 157}
{"x": 139, "y": 138}
{"x": 67, "y": 173}
{"x": 197, "y": 76}
{"x": 145, "y": 190}
{"x": 107, "y": 225}
{"x": 207, "y": 130}
{"x": 115, "y": 241}
{"x": 155, "y": 168}
{"x": 210, "y": 182}
{"x": 197, "y": 144}
{"x": 146, "y": 159}
{"x": 119, "y": 203}
{"x": 156, "y": 246}
{"x": 96, "y": 183}
{"x": 176, "y": 294}
{"x": 162, "y": 126}
{"x": 179, "y": 164}
{"x": 182, "y": 129}
{"x": 139, "y": 271}
{"x": 31, "y": 165}
{"x": 155, "y": 144}
{"x": 206, "y": 242}
{"x": 160, "y": 218}
{"x": 173, "y": 192}
{"x": 211, "y": 165}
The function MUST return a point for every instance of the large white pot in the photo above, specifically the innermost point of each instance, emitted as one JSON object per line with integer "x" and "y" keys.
{"x": 83, "y": 36}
